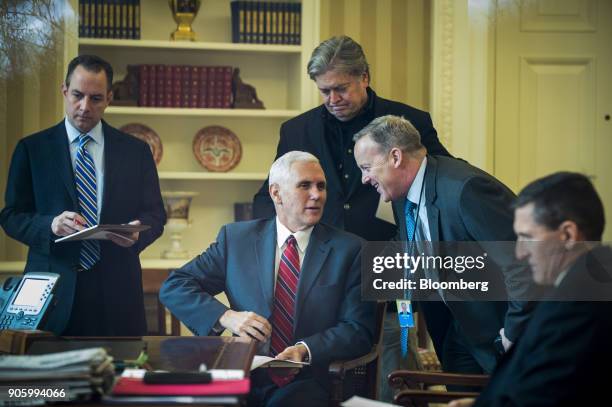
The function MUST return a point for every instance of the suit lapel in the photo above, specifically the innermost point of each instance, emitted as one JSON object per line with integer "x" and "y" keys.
{"x": 433, "y": 212}
{"x": 265, "y": 252}
{"x": 315, "y": 257}
{"x": 111, "y": 153}
{"x": 59, "y": 148}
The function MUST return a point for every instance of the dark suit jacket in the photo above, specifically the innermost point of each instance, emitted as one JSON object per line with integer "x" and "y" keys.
{"x": 558, "y": 360}
{"x": 351, "y": 208}
{"x": 329, "y": 314}
{"x": 466, "y": 204}
{"x": 41, "y": 186}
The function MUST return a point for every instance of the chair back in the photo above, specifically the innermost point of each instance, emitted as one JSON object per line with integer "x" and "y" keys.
{"x": 359, "y": 376}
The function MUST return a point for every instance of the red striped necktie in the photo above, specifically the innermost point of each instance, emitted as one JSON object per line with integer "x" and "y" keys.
{"x": 283, "y": 313}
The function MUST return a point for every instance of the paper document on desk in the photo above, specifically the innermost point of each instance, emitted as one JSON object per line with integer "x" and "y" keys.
{"x": 267, "y": 361}
{"x": 357, "y": 401}
{"x": 80, "y": 374}
{"x": 103, "y": 232}
{"x": 217, "y": 374}
{"x": 55, "y": 361}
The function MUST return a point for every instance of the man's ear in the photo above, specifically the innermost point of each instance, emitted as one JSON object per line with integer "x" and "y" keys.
{"x": 275, "y": 194}
{"x": 396, "y": 157}
{"x": 570, "y": 233}
{"x": 64, "y": 89}
{"x": 366, "y": 77}
{"x": 109, "y": 96}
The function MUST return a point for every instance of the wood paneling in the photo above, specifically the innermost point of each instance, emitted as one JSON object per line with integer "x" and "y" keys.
{"x": 394, "y": 35}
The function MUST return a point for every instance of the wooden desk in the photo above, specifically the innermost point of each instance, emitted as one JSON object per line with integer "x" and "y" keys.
{"x": 165, "y": 352}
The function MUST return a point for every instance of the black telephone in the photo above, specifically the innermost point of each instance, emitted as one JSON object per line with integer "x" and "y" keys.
{"x": 25, "y": 300}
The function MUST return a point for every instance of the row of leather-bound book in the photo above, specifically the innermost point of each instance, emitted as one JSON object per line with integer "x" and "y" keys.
{"x": 109, "y": 19}
{"x": 265, "y": 22}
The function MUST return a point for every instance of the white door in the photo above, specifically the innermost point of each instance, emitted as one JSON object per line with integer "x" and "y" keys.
{"x": 553, "y": 92}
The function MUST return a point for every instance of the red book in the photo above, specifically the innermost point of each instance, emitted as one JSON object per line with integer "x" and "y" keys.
{"x": 203, "y": 93}
{"x": 177, "y": 85}
{"x": 194, "y": 86}
{"x": 169, "y": 87}
{"x": 160, "y": 72}
{"x": 152, "y": 85}
{"x": 143, "y": 84}
{"x": 213, "y": 84}
{"x": 226, "y": 87}
{"x": 136, "y": 387}
{"x": 220, "y": 84}
{"x": 184, "y": 97}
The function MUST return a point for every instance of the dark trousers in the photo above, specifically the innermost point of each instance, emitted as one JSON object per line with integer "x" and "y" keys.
{"x": 457, "y": 357}
{"x": 305, "y": 391}
{"x": 87, "y": 317}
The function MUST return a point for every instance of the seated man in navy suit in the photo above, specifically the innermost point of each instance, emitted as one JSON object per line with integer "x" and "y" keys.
{"x": 559, "y": 221}
{"x": 293, "y": 284}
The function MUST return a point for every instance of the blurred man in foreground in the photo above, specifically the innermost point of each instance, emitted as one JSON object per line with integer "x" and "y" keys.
{"x": 559, "y": 221}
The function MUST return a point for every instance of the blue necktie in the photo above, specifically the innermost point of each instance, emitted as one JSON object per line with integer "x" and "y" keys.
{"x": 410, "y": 220}
{"x": 410, "y": 231}
{"x": 85, "y": 178}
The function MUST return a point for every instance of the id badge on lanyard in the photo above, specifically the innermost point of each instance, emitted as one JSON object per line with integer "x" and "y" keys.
{"x": 404, "y": 313}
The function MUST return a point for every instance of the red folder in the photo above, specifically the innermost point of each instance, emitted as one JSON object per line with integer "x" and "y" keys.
{"x": 135, "y": 387}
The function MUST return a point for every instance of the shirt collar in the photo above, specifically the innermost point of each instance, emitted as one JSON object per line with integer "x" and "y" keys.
{"x": 414, "y": 193}
{"x": 302, "y": 236}
{"x": 560, "y": 278}
{"x": 74, "y": 133}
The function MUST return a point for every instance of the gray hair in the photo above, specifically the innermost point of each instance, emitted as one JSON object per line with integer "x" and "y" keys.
{"x": 341, "y": 54}
{"x": 281, "y": 168}
{"x": 392, "y": 132}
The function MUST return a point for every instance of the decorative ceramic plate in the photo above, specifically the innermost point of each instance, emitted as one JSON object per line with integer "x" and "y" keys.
{"x": 148, "y": 135}
{"x": 217, "y": 148}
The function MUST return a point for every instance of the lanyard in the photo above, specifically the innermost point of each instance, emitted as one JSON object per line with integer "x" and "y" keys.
{"x": 412, "y": 239}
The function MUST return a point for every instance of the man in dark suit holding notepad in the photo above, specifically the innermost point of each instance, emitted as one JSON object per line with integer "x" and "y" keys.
{"x": 293, "y": 284}
{"x": 76, "y": 174}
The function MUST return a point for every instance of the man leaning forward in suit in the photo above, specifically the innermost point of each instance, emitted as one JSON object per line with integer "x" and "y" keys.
{"x": 293, "y": 284}
{"x": 79, "y": 173}
{"x": 452, "y": 201}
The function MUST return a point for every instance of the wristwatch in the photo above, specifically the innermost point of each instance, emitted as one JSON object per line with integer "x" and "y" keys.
{"x": 499, "y": 345}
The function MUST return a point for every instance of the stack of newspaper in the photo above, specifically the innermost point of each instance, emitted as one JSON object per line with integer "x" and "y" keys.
{"x": 62, "y": 376}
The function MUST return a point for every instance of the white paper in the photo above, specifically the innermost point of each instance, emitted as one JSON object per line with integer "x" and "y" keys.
{"x": 227, "y": 374}
{"x": 103, "y": 232}
{"x": 53, "y": 360}
{"x": 357, "y": 401}
{"x": 216, "y": 374}
{"x": 133, "y": 373}
{"x": 259, "y": 361}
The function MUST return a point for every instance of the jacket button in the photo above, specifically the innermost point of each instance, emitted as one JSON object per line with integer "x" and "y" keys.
{"x": 347, "y": 206}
